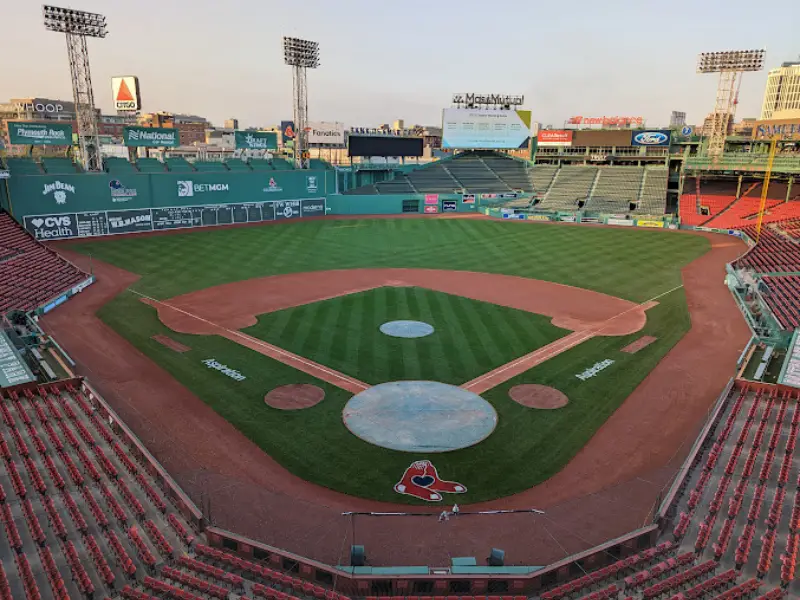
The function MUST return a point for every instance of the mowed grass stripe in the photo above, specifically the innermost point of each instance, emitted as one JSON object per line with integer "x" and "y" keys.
{"x": 631, "y": 264}
{"x": 464, "y": 345}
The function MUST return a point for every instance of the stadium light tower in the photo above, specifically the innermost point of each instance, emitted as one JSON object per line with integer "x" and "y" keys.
{"x": 78, "y": 25}
{"x": 730, "y": 64}
{"x": 300, "y": 55}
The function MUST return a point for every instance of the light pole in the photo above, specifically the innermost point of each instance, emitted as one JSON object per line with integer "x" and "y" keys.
{"x": 300, "y": 55}
{"x": 730, "y": 64}
{"x": 78, "y": 25}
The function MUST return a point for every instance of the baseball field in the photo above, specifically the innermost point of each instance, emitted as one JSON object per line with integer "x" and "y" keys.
{"x": 233, "y": 314}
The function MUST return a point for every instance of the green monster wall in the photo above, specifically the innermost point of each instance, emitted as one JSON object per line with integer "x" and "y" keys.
{"x": 86, "y": 205}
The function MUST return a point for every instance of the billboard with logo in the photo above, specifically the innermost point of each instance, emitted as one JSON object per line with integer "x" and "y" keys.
{"x": 383, "y": 145}
{"x": 325, "y": 133}
{"x": 554, "y": 137}
{"x": 657, "y": 137}
{"x": 125, "y": 93}
{"x": 40, "y": 134}
{"x": 287, "y": 132}
{"x": 153, "y": 137}
{"x": 256, "y": 140}
{"x": 785, "y": 129}
{"x": 485, "y": 128}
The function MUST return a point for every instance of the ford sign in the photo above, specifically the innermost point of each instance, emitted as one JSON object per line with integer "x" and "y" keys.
{"x": 650, "y": 138}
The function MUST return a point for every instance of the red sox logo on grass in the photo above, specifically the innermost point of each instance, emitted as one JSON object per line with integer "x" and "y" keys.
{"x": 422, "y": 481}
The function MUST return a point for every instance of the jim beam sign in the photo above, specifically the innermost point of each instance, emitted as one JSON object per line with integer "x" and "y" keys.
{"x": 125, "y": 93}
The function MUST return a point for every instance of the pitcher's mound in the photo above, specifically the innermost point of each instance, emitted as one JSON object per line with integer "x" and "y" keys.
{"x": 538, "y": 396}
{"x": 294, "y": 396}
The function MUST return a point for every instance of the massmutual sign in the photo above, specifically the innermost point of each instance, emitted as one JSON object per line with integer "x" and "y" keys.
{"x": 153, "y": 137}
{"x": 40, "y": 134}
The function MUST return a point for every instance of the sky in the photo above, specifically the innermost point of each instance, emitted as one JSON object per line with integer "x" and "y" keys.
{"x": 381, "y": 61}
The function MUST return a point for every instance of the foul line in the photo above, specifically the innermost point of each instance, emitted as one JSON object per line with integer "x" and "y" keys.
{"x": 571, "y": 340}
{"x": 313, "y": 367}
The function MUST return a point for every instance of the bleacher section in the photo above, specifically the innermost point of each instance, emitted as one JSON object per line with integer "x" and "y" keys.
{"x": 740, "y": 504}
{"x": 23, "y": 166}
{"x": 570, "y": 185}
{"x": 150, "y": 165}
{"x": 434, "y": 179}
{"x": 115, "y": 165}
{"x": 542, "y": 177}
{"x": 58, "y": 166}
{"x": 237, "y": 164}
{"x": 616, "y": 189}
{"x": 653, "y": 198}
{"x": 83, "y": 517}
{"x": 474, "y": 175}
{"x": 30, "y": 273}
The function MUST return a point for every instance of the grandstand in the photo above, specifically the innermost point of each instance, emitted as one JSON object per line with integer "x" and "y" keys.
{"x": 30, "y": 273}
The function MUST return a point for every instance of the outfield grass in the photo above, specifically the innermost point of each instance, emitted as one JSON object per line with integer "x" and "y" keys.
{"x": 470, "y": 337}
{"x": 634, "y": 264}
{"x": 528, "y": 445}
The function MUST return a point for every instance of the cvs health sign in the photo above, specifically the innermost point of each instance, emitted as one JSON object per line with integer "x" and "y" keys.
{"x": 52, "y": 227}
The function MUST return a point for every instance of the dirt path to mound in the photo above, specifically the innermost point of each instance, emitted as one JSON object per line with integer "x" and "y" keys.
{"x": 606, "y": 490}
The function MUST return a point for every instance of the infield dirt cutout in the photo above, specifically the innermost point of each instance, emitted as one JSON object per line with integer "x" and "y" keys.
{"x": 584, "y": 312}
{"x": 295, "y": 396}
{"x": 533, "y": 395}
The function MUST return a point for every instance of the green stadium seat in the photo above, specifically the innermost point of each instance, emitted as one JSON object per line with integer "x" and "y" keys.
{"x": 237, "y": 164}
{"x": 178, "y": 164}
{"x": 119, "y": 166}
{"x": 319, "y": 164}
{"x": 281, "y": 164}
{"x": 58, "y": 165}
{"x": 202, "y": 165}
{"x": 23, "y": 166}
{"x": 258, "y": 164}
{"x": 150, "y": 165}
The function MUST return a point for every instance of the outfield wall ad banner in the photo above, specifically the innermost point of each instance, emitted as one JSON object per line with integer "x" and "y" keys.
{"x": 255, "y": 140}
{"x": 659, "y": 137}
{"x": 485, "y": 129}
{"x": 325, "y": 133}
{"x": 112, "y": 222}
{"x": 152, "y": 137}
{"x": 40, "y": 134}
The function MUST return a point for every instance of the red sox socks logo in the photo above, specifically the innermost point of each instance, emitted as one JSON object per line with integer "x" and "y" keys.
{"x": 422, "y": 481}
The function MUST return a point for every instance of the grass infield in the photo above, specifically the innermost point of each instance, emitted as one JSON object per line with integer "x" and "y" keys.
{"x": 528, "y": 445}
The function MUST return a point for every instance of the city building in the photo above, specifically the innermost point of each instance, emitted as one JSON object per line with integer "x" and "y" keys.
{"x": 231, "y": 123}
{"x": 191, "y": 128}
{"x": 744, "y": 128}
{"x": 782, "y": 95}
{"x": 677, "y": 119}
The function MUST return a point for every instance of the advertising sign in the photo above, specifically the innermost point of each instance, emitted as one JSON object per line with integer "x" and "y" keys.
{"x": 582, "y": 121}
{"x": 658, "y": 137}
{"x": 255, "y": 140}
{"x": 468, "y": 198}
{"x": 325, "y": 133}
{"x": 785, "y": 130}
{"x": 449, "y": 205}
{"x": 620, "y": 222}
{"x": 647, "y": 223}
{"x": 484, "y": 128}
{"x": 125, "y": 92}
{"x": 40, "y": 134}
{"x": 383, "y": 145}
{"x": 429, "y": 210}
{"x": 431, "y": 198}
{"x": 687, "y": 130}
{"x": 554, "y": 137}
{"x": 13, "y": 369}
{"x": 287, "y": 132}
{"x": 152, "y": 137}
{"x": 111, "y": 222}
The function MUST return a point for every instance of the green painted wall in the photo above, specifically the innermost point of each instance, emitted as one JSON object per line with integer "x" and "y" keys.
{"x": 59, "y": 194}
{"x": 391, "y": 204}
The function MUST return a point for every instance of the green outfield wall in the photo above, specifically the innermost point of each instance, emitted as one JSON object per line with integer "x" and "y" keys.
{"x": 88, "y": 205}
{"x": 395, "y": 204}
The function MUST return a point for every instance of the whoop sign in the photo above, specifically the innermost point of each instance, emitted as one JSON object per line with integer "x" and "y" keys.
{"x": 125, "y": 92}
{"x": 153, "y": 137}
